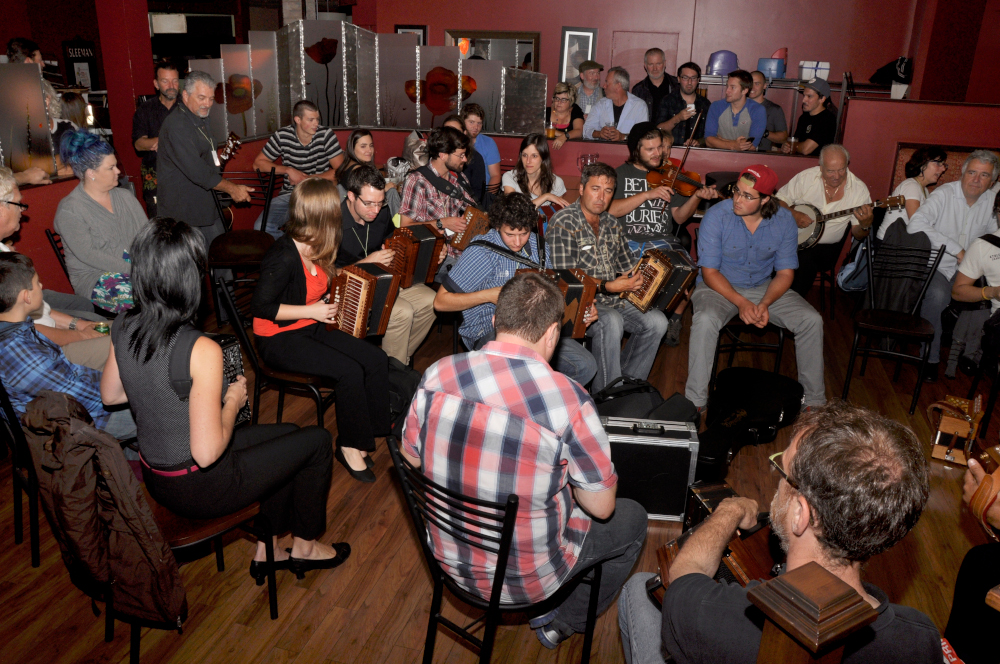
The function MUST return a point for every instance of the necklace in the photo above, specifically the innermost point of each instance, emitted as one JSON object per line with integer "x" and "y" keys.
{"x": 364, "y": 247}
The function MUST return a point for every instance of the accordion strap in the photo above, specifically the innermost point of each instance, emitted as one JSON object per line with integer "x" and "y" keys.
{"x": 180, "y": 361}
{"x": 504, "y": 251}
{"x": 459, "y": 193}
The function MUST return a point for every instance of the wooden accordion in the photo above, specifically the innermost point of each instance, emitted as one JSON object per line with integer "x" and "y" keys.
{"x": 477, "y": 223}
{"x": 417, "y": 248}
{"x": 366, "y": 294}
{"x": 579, "y": 290}
{"x": 667, "y": 275}
{"x": 232, "y": 366}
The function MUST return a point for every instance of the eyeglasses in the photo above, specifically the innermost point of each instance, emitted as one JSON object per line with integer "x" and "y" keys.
{"x": 23, "y": 206}
{"x": 561, "y": 99}
{"x": 776, "y": 465}
{"x": 747, "y": 197}
{"x": 940, "y": 163}
{"x": 371, "y": 205}
{"x": 690, "y": 78}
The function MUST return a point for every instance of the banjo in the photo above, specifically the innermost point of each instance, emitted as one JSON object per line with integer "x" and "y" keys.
{"x": 810, "y": 235}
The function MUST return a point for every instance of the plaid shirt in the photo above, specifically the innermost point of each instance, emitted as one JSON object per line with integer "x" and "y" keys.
{"x": 501, "y": 421}
{"x": 571, "y": 244}
{"x": 30, "y": 363}
{"x": 422, "y": 202}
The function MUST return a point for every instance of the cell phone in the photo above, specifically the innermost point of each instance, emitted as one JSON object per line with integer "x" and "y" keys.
{"x": 691, "y": 107}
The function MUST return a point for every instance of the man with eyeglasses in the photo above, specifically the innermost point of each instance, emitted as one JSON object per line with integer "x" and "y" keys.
{"x": 740, "y": 245}
{"x": 366, "y": 224}
{"x": 851, "y": 484}
{"x": 679, "y": 109}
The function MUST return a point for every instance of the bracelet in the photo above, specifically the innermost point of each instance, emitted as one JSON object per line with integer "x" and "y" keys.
{"x": 984, "y": 293}
{"x": 73, "y": 321}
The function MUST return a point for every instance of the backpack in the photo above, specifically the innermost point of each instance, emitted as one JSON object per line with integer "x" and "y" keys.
{"x": 403, "y": 384}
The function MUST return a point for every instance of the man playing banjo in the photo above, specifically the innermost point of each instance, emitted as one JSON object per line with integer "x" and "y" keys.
{"x": 829, "y": 187}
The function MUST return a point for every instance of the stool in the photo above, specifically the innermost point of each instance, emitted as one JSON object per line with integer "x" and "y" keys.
{"x": 733, "y": 329}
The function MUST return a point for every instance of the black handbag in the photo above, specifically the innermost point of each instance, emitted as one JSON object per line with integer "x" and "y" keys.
{"x": 627, "y": 397}
{"x": 403, "y": 384}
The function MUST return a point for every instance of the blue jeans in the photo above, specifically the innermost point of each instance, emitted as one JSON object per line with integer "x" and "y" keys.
{"x": 277, "y": 215}
{"x": 636, "y": 359}
{"x": 639, "y": 621}
{"x": 570, "y": 359}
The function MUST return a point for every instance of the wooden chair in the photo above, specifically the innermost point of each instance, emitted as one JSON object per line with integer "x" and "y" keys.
{"x": 489, "y": 527}
{"x": 23, "y": 472}
{"x": 240, "y": 252}
{"x": 263, "y": 185}
{"x": 898, "y": 279}
{"x": 733, "y": 330}
{"x": 264, "y": 376}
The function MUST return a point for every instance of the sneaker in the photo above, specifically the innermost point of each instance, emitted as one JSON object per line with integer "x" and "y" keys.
{"x": 550, "y": 636}
{"x": 674, "y": 327}
{"x": 542, "y": 620}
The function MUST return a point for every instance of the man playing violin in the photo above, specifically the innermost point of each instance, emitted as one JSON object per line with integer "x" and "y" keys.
{"x": 648, "y": 213}
{"x": 828, "y": 187}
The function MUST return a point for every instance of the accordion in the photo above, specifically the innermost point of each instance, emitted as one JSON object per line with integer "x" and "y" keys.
{"x": 232, "y": 366}
{"x": 667, "y": 274}
{"x": 579, "y": 290}
{"x": 477, "y": 223}
{"x": 417, "y": 248}
{"x": 366, "y": 294}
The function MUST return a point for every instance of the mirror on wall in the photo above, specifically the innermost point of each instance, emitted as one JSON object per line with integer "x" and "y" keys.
{"x": 514, "y": 49}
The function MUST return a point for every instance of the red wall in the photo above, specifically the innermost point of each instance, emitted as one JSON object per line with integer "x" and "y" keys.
{"x": 31, "y": 241}
{"x": 982, "y": 82}
{"x": 15, "y": 22}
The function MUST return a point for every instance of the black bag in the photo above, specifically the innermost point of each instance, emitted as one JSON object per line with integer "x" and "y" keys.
{"x": 403, "y": 383}
{"x": 677, "y": 408}
{"x": 628, "y": 397}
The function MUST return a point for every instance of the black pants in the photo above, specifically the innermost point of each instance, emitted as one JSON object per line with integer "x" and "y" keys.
{"x": 811, "y": 261}
{"x": 972, "y": 625}
{"x": 286, "y": 468}
{"x": 360, "y": 370}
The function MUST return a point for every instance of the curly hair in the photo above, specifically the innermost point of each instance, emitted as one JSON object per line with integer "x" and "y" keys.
{"x": 515, "y": 211}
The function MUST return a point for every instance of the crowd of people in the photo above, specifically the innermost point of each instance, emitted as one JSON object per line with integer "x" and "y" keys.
{"x": 515, "y": 413}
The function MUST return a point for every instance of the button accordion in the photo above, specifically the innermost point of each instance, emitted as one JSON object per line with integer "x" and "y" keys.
{"x": 366, "y": 293}
{"x": 418, "y": 249}
{"x": 232, "y": 366}
{"x": 579, "y": 290}
{"x": 477, "y": 223}
{"x": 667, "y": 274}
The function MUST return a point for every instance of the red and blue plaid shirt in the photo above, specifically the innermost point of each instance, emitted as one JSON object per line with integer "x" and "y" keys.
{"x": 501, "y": 421}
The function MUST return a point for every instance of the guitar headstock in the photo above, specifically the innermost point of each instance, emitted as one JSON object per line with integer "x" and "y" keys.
{"x": 891, "y": 203}
{"x": 233, "y": 144}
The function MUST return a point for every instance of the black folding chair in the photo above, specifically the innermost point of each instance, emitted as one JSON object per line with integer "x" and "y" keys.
{"x": 23, "y": 472}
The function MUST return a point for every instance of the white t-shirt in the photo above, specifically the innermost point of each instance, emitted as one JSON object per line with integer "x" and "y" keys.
{"x": 43, "y": 318}
{"x": 982, "y": 259}
{"x": 909, "y": 189}
{"x": 558, "y": 186}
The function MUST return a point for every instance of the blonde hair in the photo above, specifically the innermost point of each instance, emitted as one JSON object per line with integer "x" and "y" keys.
{"x": 566, "y": 88}
{"x": 314, "y": 220}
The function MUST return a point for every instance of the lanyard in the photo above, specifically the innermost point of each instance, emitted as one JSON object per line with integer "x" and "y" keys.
{"x": 364, "y": 247}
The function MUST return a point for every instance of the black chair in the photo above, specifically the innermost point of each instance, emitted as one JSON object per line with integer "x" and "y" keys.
{"x": 314, "y": 386}
{"x": 23, "y": 472}
{"x": 263, "y": 189}
{"x": 734, "y": 330}
{"x": 827, "y": 275}
{"x": 489, "y": 527}
{"x": 239, "y": 252}
{"x": 898, "y": 279}
{"x": 55, "y": 240}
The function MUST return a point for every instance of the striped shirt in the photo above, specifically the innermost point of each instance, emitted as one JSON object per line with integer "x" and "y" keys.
{"x": 500, "y": 421}
{"x": 311, "y": 159}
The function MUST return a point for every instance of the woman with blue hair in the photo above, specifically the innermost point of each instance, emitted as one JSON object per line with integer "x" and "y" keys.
{"x": 97, "y": 221}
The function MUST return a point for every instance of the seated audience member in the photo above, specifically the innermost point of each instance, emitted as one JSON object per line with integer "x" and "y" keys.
{"x": 78, "y": 339}
{"x": 776, "y": 131}
{"x": 565, "y": 116}
{"x": 585, "y": 236}
{"x": 30, "y": 362}
{"x": 736, "y": 122}
{"x": 23, "y": 50}
{"x": 533, "y": 174}
{"x": 644, "y": 211}
{"x": 955, "y": 215}
{"x": 57, "y": 126}
{"x": 680, "y": 108}
{"x": 289, "y": 323}
{"x": 544, "y": 442}
{"x": 741, "y": 243}
{"x": 367, "y": 223}
{"x": 193, "y": 461}
{"x": 817, "y": 126}
{"x": 657, "y": 85}
{"x": 361, "y": 150}
{"x": 98, "y": 221}
{"x": 306, "y": 149}
{"x": 612, "y": 118}
{"x": 474, "y": 283}
{"x": 853, "y": 483}
{"x": 828, "y": 187}
{"x": 589, "y": 90}
{"x": 923, "y": 170}
{"x": 74, "y": 109}
{"x": 475, "y": 166}
{"x": 146, "y": 123}
{"x": 474, "y": 121}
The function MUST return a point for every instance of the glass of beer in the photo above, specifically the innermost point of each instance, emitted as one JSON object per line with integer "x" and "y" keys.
{"x": 793, "y": 143}
{"x": 550, "y": 131}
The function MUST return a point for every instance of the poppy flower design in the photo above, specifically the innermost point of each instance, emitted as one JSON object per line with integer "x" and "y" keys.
{"x": 439, "y": 90}
{"x": 323, "y": 52}
{"x": 240, "y": 92}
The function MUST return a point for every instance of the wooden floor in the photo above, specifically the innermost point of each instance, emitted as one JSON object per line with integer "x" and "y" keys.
{"x": 374, "y": 607}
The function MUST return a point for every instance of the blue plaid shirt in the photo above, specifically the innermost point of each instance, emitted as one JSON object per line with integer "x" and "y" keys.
{"x": 30, "y": 363}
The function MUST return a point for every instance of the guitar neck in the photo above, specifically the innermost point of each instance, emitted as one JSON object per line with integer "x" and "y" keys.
{"x": 838, "y": 214}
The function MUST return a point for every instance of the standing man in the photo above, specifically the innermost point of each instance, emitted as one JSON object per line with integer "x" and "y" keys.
{"x": 146, "y": 125}
{"x": 474, "y": 118}
{"x": 735, "y": 123}
{"x": 366, "y": 226}
{"x": 306, "y": 150}
{"x": 503, "y": 420}
{"x": 680, "y": 108}
{"x": 817, "y": 126}
{"x": 657, "y": 85}
{"x": 740, "y": 245}
{"x": 589, "y": 90}
{"x": 955, "y": 215}
{"x": 585, "y": 236}
{"x": 187, "y": 163}
{"x": 776, "y": 132}
{"x": 612, "y": 118}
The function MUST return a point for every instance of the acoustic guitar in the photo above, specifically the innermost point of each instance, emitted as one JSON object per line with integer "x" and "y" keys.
{"x": 810, "y": 235}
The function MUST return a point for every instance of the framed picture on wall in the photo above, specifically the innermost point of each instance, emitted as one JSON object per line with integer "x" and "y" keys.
{"x": 578, "y": 46}
{"x": 419, "y": 30}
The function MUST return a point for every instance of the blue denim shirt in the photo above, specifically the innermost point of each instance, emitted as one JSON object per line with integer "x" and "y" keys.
{"x": 746, "y": 259}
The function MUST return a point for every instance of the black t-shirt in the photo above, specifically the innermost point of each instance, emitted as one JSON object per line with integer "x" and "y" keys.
{"x": 709, "y": 621}
{"x": 574, "y": 113}
{"x": 659, "y": 93}
{"x": 146, "y": 122}
{"x": 821, "y": 128}
{"x": 649, "y": 221}
{"x": 359, "y": 240}
{"x": 618, "y": 112}
{"x": 475, "y": 171}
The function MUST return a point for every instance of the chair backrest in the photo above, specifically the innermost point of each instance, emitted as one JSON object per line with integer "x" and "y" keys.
{"x": 14, "y": 437}
{"x": 236, "y": 321}
{"x": 56, "y": 241}
{"x": 899, "y": 275}
{"x": 262, "y": 183}
{"x": 481, "y": 524}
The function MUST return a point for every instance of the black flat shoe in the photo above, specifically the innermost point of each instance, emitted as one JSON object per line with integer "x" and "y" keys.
{"x": 258, "y": 569}
{"x": 366, "y": 475}
{"x": 369, "y": 462}
{"x": 299, "y": 566}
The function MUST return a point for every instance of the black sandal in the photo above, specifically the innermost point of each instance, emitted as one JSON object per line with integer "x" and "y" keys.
{"x": 299, "y": 566}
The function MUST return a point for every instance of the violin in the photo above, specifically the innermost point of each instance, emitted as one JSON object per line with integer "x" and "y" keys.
{"x": 670, "y": 174}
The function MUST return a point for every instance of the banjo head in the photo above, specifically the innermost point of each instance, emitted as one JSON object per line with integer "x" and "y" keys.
{"x": 809, "y": 235}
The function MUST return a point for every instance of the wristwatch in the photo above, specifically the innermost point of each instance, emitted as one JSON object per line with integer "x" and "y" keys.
{"x": 73, "y": 321}
{"x": 440, "y": 226}
{"x": 603, "y": 288}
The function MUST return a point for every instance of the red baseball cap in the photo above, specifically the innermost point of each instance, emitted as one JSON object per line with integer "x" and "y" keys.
{"x": 766, "y": 179}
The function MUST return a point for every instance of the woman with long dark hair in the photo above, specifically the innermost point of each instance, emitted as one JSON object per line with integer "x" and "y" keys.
{"x": 922, "y": 170}
{"x": 360, "y": 149}
{"x": 290, "y": 314}
{"x": 193, "y": 461}
{"x": 533, "y": 174}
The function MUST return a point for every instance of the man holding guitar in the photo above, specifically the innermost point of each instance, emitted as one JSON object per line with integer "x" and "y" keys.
{"x": 827, "y": 188}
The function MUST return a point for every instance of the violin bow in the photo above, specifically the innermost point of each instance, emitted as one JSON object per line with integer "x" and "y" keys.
{"x": 687, "y": 150}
